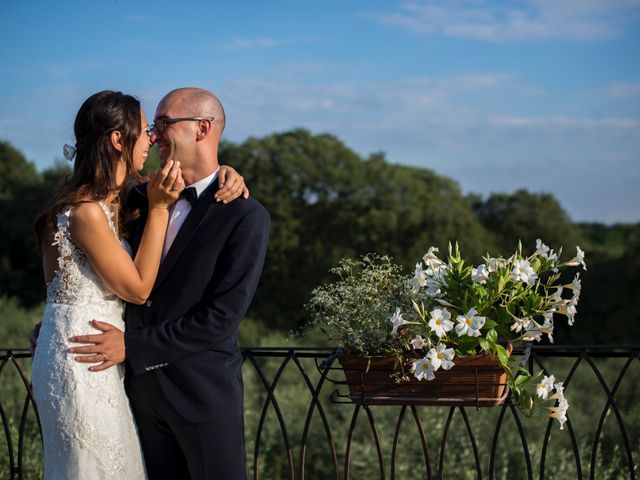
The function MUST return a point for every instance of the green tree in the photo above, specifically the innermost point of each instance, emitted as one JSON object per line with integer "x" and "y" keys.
{"x": 526, "y": 216}
{"x": 15, "y": 170}
{"x": 23, "y": 192}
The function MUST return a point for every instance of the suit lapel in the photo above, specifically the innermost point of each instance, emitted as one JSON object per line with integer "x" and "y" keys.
{"x": 195, "y": 217}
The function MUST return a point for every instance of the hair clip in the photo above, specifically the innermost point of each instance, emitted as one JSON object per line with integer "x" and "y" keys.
{"x": 69, "y": 152}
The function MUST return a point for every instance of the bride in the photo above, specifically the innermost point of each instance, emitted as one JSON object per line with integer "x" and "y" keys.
{"x": 87, "y": 426}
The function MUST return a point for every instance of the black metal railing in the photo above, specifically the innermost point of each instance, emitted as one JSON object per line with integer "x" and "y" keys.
{"x": 299, "y": 426}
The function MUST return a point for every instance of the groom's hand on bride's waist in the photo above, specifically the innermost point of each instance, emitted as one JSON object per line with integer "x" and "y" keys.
{"x": 105, "y": 349}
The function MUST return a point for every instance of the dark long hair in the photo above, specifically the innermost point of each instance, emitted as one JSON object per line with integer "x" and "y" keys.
{"x": 95, "y": 166}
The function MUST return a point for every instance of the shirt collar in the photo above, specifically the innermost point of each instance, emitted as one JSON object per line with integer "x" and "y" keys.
{"x": 201, "y": 185}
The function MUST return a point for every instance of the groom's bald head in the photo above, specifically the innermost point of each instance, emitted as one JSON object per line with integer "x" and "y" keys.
{"x": 196, "y": 102}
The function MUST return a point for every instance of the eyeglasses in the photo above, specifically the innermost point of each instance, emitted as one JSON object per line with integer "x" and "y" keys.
{"x": 161, "y": 124}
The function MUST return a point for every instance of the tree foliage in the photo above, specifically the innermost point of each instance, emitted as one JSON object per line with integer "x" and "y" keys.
{"x": 23, "y": 191}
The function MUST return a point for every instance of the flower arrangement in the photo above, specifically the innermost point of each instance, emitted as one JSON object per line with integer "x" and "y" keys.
{"x": 448, "y": 309}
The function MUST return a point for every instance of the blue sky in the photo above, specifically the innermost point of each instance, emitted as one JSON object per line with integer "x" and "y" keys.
{"x": 498, "y": 95}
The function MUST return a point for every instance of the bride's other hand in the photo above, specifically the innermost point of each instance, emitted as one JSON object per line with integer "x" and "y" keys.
{"x": 33, "y": 337}
{"x": 231, "y": 184}
{"x": 165, "y": 185}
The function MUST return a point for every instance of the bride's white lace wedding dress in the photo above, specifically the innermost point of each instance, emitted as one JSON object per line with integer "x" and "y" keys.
{"x": 87, "y": 425}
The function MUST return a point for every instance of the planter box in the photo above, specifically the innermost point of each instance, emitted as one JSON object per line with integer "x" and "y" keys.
{"x": 474, "y": 380}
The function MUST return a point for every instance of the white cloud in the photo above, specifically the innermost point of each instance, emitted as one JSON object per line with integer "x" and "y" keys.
{"x": 581, "y": 20}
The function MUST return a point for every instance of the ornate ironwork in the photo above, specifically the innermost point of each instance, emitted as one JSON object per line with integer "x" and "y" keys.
{"x": 329, "y": 426}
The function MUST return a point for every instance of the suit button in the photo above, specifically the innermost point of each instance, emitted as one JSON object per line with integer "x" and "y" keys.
{"x": 149, "y": 303}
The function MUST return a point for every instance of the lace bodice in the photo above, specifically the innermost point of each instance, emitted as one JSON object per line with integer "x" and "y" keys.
{"x": 75, "y": 281}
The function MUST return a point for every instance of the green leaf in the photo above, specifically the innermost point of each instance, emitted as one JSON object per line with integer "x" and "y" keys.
{"x": 484, "y": 344}
{"x": 490, "y": 323}
{"x": 520, "y": 379}
{"x": 467, "y": 345}
{"x": 510, "y": 378}
{"x": 492, "y": 336}
{"x": 502, "y": 355}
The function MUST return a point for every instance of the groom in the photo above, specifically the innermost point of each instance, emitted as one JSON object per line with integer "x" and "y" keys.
{"x": 183, "y": 365}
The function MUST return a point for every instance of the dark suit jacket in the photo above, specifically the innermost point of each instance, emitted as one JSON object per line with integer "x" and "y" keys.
{"x": 186, "y": 332}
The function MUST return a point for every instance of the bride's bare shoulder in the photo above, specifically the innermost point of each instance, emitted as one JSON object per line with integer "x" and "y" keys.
{"x": 87, "y": 215}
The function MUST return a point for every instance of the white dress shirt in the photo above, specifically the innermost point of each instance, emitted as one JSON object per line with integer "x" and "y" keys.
{"x": 181, "y": 209}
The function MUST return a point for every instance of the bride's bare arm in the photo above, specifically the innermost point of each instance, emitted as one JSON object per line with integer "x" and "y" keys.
{"x": 131, "y": 280}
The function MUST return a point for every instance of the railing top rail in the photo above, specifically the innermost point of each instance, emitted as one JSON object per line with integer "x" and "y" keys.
{"x": 595, "y": 351}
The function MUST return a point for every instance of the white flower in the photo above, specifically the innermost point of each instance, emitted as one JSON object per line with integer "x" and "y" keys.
{"x": 544, "y": 388}
{"x": 559, "y": 412}
{"x": 469, "y": 324}
{"x": 440, "y": 323}
{"x": 559, "y": 388}
{"x": 418, "y": 342}
{"x": 422, "y": 369}
{"x": 433, "y": 287}
{"x": 541, "y": 248}
{"x": 420, "y": 275}
{"x": 480, "y": 274}
{"x": 397, "y": 321}
{"x": 441, "y": 356}
{"x": 430, "y": 255}
{"x": 531, "y": 330}
{"x": 556, "y": 297}
{"x": 577, "y": 260}
{"x": 522, "y": 271}
{"x": 548, "y": 326}
{"x": 580, "y": 257}
{"x": 433, "y": 262}
{"x": 544, "y": 251}
{"x": 419, "y": 279}
{"x": 576, "y": 286}
{"x": 532, "y": 336}
{"x": 569, "y": 309}
{"x": 521, "y": 324}
{"x": 494, "y": 264}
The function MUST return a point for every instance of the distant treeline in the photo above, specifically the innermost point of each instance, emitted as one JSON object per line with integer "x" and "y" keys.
{"x": 327, "y": 202}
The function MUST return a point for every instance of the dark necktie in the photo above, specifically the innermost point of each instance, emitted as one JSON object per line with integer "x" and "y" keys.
{"x": 190, "y": 195}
